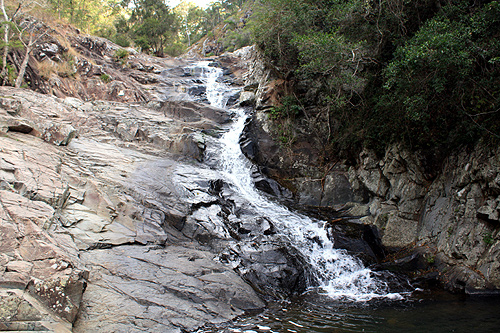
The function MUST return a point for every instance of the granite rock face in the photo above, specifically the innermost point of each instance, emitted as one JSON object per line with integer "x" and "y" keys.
{"x": 451, "y": 221}
{"x": 89, "y": 218}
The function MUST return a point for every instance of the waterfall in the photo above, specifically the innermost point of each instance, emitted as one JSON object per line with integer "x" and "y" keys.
{"x": 340, "y": 275}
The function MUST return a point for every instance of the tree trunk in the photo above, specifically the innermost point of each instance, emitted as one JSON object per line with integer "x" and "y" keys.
{"x": 22, "y": 68}
{"x": 4, "y": 73}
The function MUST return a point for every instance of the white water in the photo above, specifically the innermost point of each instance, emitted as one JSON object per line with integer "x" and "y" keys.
{"x": 340, "y": 275}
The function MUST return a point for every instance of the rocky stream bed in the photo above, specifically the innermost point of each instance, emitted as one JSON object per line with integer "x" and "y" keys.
{"x": 117, "y": 215}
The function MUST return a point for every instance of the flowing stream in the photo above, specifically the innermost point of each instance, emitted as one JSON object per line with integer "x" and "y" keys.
{"x": 340, "y": 275}
{"x": 346, "y": 296}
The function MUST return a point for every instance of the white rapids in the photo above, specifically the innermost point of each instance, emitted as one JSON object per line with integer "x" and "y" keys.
{"x": 340, "y": 275}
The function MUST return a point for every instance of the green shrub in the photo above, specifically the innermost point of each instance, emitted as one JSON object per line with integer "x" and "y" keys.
{"x": 488, "y": 238}
{"x": 442, "y": 84}
{"x": 121, "y": 54}
{"x": 105, "y": 78}
{"x": 175, "y": 49}
{"x": 289, "y": 108}
{"x": 122, "y": 40}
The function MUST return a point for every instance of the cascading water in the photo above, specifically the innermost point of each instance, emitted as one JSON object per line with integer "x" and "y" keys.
{"x": 340, "y": 275}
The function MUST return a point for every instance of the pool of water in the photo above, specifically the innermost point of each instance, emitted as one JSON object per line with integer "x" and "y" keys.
{"x": 422, "y": 312}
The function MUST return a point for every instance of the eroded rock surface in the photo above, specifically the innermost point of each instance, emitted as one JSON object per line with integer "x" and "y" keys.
{"x": 167, "y": 289}
{"x": 94, "y": 223}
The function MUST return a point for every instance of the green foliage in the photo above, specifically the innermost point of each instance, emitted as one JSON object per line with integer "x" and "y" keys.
{"x": 283, "y": 117}
{"x": 230, "y": 24}
{"x": 274, "y": 26}
{"x": 442, "y": 81}
{"x": 122, "y": 40}
{"x": 286, "y": 133}
{"x": 11, "y": 73}
{"x": 93, "y": 16}
{"x": 120, "y": 54}
{"x": 105, "y": 78}
{"x": 422, "y": 72}
{"x": 153, "y": 24}
{"x": 289, "y": 108}
{"x": 175, "y": 49}
{"x": 150, "y": 25}
{"x": 14, "y": 41}
{"x": 235, "y": 40}
{"x": 488, "y": 238}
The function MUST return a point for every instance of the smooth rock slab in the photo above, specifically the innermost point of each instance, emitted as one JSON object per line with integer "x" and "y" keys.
{"x": 144, "y": 288}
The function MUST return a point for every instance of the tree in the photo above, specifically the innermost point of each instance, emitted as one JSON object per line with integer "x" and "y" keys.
{"x": 153, "y": 24}
{"x": 9, "y": 27}
{"x": 193, "y": 20}
{"x": 7, "y": 33}
{"x": 28, "y": 28}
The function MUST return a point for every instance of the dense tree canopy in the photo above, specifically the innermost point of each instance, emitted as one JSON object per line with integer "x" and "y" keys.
{"x": 151, "y": 25}
{"x": 362, "y": 73}
{"x": 426, "y": 72}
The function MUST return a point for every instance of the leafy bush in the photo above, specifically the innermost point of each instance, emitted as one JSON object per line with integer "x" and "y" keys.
{"x": 121, "y": 54}
{"x": 105, "y": 78}
{"x": 424, "y": 72}
{"x": 289, "y": 108}
{"x": 122, "y": 40}
{"x": 488, "y": 238}
{"x": 175, "y": 49}
{"x": 442, "y": 81}
{"x": 235, "y": 40}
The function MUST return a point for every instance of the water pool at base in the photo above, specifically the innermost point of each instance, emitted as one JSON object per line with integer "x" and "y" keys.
{"x": 424, "y": 312}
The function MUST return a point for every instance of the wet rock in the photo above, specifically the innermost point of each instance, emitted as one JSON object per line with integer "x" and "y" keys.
{"x": 248, "y": 148}
{"x": 164, "y": 290}
{"x": 247, "y": 98}
{"x": 109, "y": 189}
{"x": 259, "y": 144}
{"x": 272, "y": 269}
{"x": 408, "y": 264}
{"x": 219, "y": 219}
{"x": 269, "y": 186}
{"x": 360, "y": 240}
{"x": 197, "y": 90}
{"x": 456, "y": 214}
{"x": 233, "y": 99}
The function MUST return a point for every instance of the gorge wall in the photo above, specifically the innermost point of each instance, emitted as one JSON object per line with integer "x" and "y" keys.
{"x": 443, "y": 225}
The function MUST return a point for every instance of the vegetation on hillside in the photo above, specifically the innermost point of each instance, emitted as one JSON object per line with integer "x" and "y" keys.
{"x": 148, "y": 25}
{"x": 425, "y": 72}
{"x": 359, "y": 73}
{"x": 151, "y": 25}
